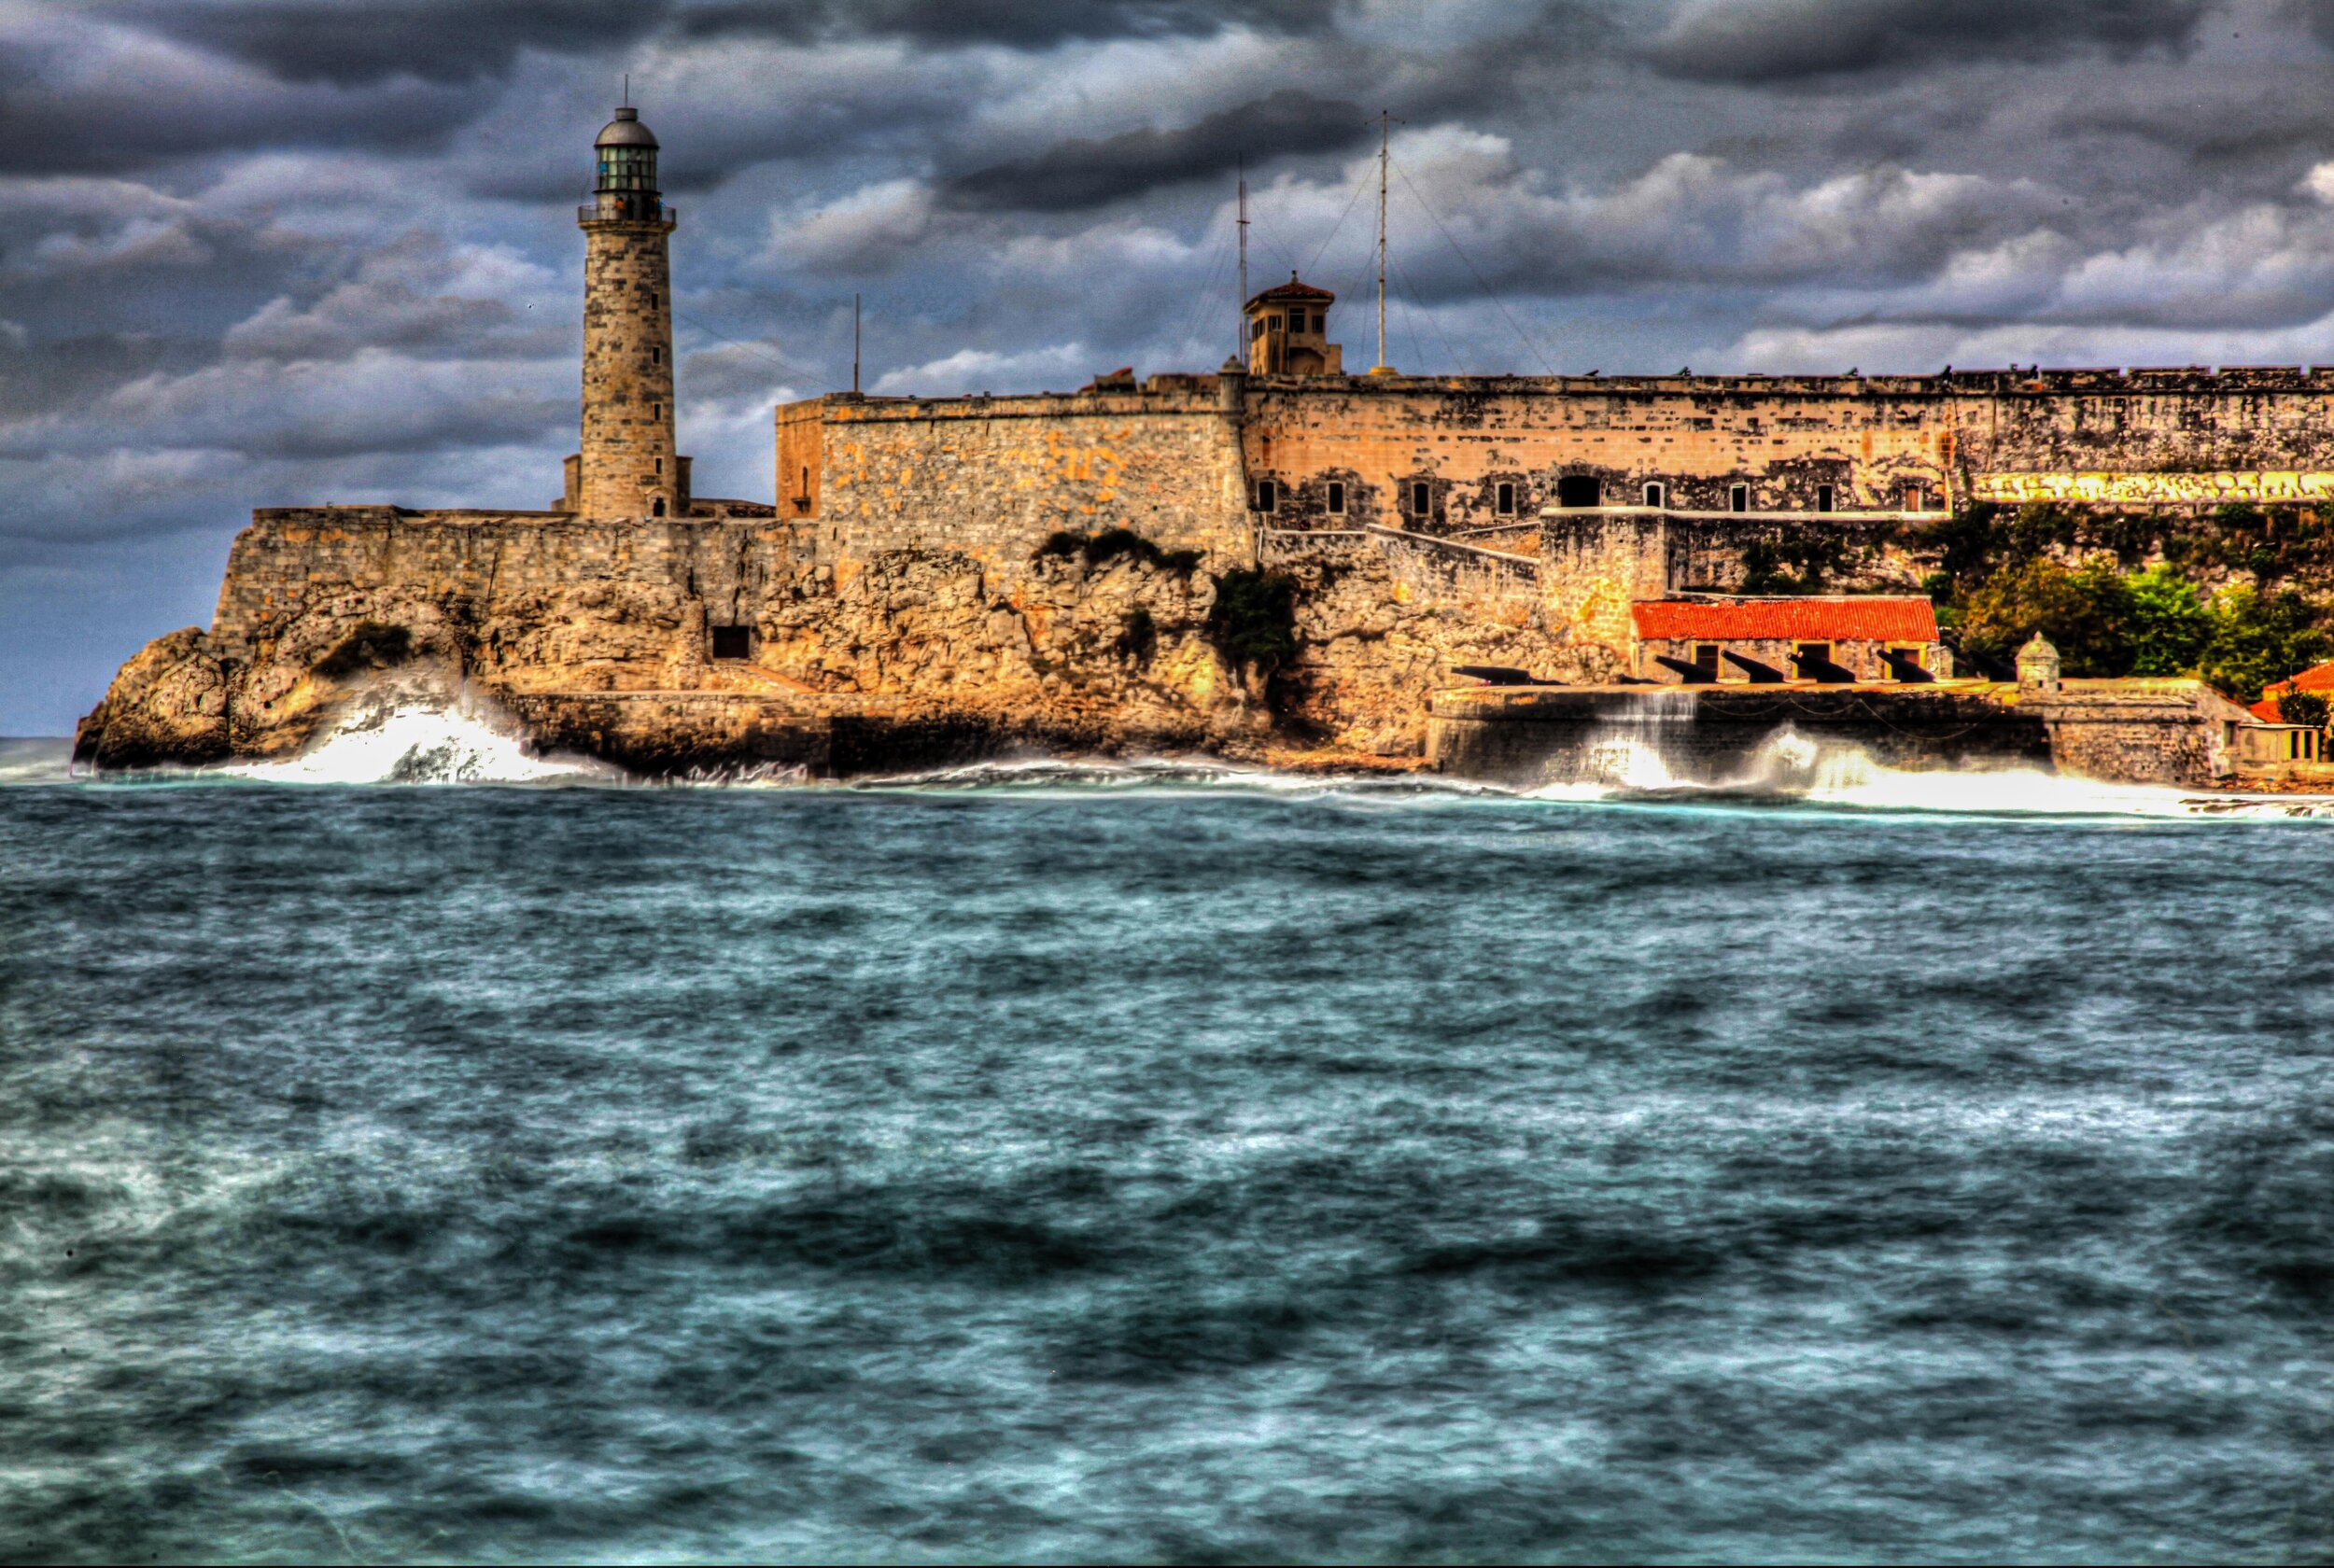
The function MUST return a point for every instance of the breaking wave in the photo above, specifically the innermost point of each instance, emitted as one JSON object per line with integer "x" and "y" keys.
{"x": 35, "y": 758}
{"x": 412, "y": 730}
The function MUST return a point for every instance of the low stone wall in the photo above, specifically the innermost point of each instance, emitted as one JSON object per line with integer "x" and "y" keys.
{"x": 2141, "y": 732}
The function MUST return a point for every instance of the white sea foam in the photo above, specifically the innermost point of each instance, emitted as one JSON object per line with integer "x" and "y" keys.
{"x": 410, "y": 729}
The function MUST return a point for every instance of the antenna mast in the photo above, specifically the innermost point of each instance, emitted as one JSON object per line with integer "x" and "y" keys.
{"x": 855, "y": 346}
{"x": 1382, "y": 134}
{"x": 1239, "y": 323}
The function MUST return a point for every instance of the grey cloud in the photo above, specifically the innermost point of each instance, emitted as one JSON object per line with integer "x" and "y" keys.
{"x": 1086, "y": 173}
{"x": 1752, "y": 41}
{"x": 446, "y": 41}
{"x": 1011, "y": 23}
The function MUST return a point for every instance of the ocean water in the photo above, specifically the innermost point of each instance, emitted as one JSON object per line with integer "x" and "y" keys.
{"x": 1159, "y": 1163}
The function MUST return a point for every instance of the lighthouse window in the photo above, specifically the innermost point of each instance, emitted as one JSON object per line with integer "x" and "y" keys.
{"x": 660, "y": 465}
{"x": 655, "y": 355}
{"x": 652, "y": 298}
{"x": 657, "y": 411}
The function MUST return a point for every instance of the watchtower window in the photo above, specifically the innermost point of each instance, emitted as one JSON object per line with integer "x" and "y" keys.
{"x": 657, "y": 411}
{"x": 1337, "y": 498}
{"x": 1268, "y": 495}
{"x": 652, "y": 298}
{"x": 1503, "y": 500}
{"x": 655, "y": 355}
{"x": 1421, "y": 497}
{"x": 1655, "y": 494}
{"x": 732, "y": 642}
{"x": 1738, "y": 498}
{"x": 1577, "y": 490}
{"x": 1255, "y": 329}
{"x": 1823, "y": 497}
{"x": 660, "y": 465}
{"x": 1276, "y": 321}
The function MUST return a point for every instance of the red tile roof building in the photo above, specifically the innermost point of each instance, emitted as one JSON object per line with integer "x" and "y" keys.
{"x": 1848, "y": 631}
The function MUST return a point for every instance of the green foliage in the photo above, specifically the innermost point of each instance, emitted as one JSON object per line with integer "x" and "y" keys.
{"x": 2086, "y": 614}
{"x": 369, "y": 645}
{"x": 2170, "y": 625}
{"x": 1113, "y": 543}
{"x": 2260, "y": 637}
{"x": 1253, "y": 622}
{"x": 2303, "y": 708}
{"x": 1795, "y": 564}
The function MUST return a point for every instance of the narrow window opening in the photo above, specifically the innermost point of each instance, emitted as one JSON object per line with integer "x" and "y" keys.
{"x": 1337, "y": 498}
{"x": 805, "y": 491}
{"x": 1505, "y": 502}
{"x": 1738, "y": 498}
{"x": 1421, "y": 497}
{"x": 1268, "y": 495}
{"x": 1655, "y": 494}
{"x": 732, "y": 642}
{"x": 660, "y": 465}
{"x": 1823, "y": 497}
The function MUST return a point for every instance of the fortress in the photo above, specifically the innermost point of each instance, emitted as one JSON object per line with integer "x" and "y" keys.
{"x": 936, "y": 576}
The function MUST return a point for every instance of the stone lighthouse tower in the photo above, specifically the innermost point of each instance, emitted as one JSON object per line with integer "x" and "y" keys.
{"x": 627, "y": 465}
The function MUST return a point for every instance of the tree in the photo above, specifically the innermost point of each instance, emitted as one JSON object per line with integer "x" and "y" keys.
{"x": 2303, "y": 708}
{"x": 2257, "y": 638}
{"x": 2170, "y": 626}
{"x": 2086, "y": 614}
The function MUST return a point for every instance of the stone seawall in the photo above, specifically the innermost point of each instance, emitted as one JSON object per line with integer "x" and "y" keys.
{"x": 2142, "y": 732}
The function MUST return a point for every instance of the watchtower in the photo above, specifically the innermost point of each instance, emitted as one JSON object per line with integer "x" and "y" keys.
{"x": 627, "y": 465}
{"x": 1289, "y": 331}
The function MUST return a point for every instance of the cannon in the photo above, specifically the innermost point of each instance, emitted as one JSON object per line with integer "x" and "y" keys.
{"x": 1907, "y": 669}
{"x": 1499, "y": 675}
{"x": 1761, "y": 674}
{"x": 1820, "y": 668}
{"x": 1988, "y": 665}
{"x": 1689, "y": 672}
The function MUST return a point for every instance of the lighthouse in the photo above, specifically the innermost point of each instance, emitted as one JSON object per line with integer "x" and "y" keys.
{"x": 625, "y": 465}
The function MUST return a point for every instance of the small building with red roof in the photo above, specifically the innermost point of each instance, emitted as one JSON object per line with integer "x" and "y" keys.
{"x": 1831, "y": 636}
{"x": 2317, "y": 678}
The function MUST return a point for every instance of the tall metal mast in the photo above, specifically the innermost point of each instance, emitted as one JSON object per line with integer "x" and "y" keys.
{"x": 855, "y": 346}
{"x": 1239, "y": 315}
{"x": 1382, "y": 125}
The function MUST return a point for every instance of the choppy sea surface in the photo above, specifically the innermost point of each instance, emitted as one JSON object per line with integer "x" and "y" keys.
{"x": 1158, "y": 1163}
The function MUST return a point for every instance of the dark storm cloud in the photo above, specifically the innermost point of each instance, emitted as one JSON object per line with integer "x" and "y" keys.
{"x": 1752, "y": 41}
{"x": 371, "y": 40}
{"x": 1086, "y": 173}
{"x": 1027, "y": 24}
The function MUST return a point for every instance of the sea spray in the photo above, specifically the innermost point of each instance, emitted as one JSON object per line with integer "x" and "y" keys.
{"x": 416, "y": 728}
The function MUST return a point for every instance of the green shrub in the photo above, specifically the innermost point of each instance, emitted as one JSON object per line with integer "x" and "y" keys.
{"x": 2303, "y": 708}
{"x": 2260, "y": 637}
{"x": 2085, "y": 614}
{"x": 369, "y": 645}
{"x": 1253, "y": 622}
{"x": 2170, "y": 625}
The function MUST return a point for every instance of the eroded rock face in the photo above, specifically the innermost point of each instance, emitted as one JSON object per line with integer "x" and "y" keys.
{"x": 1077, "y": 653}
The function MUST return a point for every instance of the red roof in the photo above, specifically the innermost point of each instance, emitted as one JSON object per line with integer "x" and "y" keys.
{"x": 1292, "y": 289}
{"x": 1872, "y": 618}
{"x": 2317, "y": 678}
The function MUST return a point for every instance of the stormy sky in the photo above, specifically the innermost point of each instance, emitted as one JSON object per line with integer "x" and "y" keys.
{"x": 264, "y": 252}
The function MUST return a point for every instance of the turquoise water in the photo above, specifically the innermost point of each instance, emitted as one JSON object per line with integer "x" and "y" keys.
{"x": 1165, "y": 1166}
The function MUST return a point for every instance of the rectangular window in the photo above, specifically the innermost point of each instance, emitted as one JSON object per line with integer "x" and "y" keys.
{"x": 732, "y": 642}
{"x": 1337, "y": 498}
{"x": 652, "y": 298}
{"x": 1504, "y": 503}
{"x": 1255, "y": 329}
{"x": 655, "y": 355}
{"x": 1738, "y": 498}
{"x": 1421, "y": 497}
{"x": 1276, "y": 321}
{"x": 1268, "y": 495}
{"x": 657, "y": 411}
{"x": 660, "y": 465}
{"x": 1655, "y": 494}
{"x": 1916, "y": 498}
{"x": 1823, "y": 497}
{"x": 1706, "y": 655}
